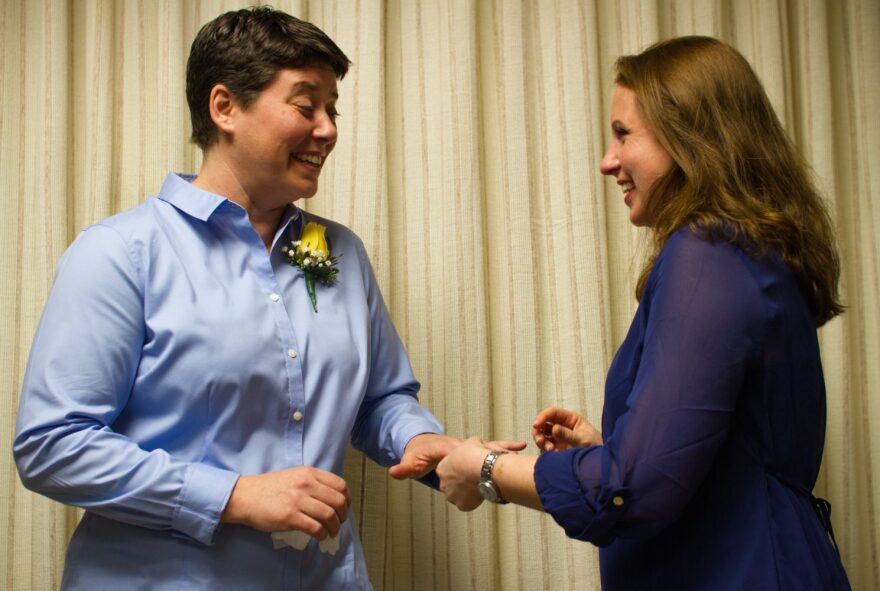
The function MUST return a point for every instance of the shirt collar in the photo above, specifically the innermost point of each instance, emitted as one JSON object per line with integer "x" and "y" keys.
{"x": 179, "y": 191}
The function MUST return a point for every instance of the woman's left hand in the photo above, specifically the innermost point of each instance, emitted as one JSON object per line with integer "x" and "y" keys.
{"x": 459, "y": 474}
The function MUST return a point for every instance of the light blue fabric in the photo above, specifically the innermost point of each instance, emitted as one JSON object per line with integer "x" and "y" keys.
{"x": 172, "y": 356}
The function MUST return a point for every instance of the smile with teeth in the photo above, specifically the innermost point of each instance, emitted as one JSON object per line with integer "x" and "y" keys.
{"x": 627, "y": 187}
{"x": 310, "y": 158}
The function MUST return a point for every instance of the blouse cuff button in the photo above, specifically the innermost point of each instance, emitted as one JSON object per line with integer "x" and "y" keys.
{"x": 617, "y": 500}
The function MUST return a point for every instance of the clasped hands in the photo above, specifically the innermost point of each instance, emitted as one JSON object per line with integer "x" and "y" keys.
{"x": 553, "y": 429}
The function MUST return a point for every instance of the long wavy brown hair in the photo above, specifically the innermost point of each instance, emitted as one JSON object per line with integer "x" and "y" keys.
{"x": 737, "y": 175}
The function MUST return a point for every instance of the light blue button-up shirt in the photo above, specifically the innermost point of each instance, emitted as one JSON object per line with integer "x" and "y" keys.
{"x": 174, "y": 354}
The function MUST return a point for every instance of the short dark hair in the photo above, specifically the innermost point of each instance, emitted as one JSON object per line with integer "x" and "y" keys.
{"x": 244, "y": 50}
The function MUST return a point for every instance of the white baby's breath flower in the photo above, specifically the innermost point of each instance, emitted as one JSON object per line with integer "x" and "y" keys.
{"x": 311, "y": 253}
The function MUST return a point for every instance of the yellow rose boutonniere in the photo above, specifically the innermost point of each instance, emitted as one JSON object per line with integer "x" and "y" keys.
{"x": 311, "y": 253}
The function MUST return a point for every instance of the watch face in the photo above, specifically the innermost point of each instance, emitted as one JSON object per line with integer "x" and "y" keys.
{"x": 487, "y": 490}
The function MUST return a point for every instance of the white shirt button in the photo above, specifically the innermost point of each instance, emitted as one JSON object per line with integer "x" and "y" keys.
{"x": 274, "y": 297}
{"x": 297, "y": 416}
{"x": 292, "y": 353}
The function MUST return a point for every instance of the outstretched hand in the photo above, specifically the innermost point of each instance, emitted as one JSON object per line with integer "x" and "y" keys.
{"x": 425, "y": 451}
{"x": 422, "y": 454}
{"x": 559, "y": 429}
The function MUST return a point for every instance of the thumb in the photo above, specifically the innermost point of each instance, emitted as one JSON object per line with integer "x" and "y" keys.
{"x": 408, "y": 468}
{"x": 400, "y": 471}
{"x": 562, "y": 433}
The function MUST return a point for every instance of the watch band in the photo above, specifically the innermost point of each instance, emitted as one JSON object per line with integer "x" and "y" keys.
{"x": 488, "y": 488}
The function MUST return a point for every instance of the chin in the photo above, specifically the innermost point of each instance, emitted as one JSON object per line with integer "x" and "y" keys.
{"x": 304, "y": 192}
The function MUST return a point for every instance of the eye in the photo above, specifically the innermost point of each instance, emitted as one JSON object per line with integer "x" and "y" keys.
{"x": 620, "y": 132}
{"x": 333, "y": 114}
{"x": 307, "y": 110}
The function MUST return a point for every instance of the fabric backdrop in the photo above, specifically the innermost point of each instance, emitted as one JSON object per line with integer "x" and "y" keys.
{"x": 470, "y": 137}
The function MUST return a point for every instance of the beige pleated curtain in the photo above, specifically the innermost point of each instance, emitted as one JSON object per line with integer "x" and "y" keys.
{"x": 470, "y": 137}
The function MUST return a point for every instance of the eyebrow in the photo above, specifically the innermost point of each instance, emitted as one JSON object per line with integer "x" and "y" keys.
{"x": 309, "y": 87}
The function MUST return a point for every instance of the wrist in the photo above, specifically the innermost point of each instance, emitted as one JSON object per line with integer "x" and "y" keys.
{"x": 430, "y": 439}
{"x": 234, "y": 511}
{"x": 487, "y": 485}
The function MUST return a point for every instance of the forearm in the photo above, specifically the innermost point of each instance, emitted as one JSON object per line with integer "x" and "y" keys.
{"x": 386, "y": 425}
{"x": 105, "y": 473}
{"x": 514, "y": 475}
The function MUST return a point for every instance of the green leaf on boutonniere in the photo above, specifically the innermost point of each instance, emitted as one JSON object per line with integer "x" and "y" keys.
{"x": 311, "y": 253}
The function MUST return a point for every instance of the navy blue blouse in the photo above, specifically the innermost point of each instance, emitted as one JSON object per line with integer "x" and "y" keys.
{"x": 713, "y": 429}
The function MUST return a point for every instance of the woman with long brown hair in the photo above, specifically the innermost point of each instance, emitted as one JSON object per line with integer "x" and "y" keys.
{"x": 714, "y": 417}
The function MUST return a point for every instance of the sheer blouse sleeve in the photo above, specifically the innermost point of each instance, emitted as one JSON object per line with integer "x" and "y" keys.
{"x": 673, "y": 388}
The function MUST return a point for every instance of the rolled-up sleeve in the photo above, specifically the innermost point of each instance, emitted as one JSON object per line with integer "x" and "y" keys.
{"x": 672, "y": 392}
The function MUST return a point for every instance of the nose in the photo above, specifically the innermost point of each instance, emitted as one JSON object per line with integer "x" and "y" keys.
{"x": 325, "y": 128}
{"x": 609, "y": 164}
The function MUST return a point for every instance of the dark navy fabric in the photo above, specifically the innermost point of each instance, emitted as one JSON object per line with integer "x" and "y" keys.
{"x": 713, "y": 428}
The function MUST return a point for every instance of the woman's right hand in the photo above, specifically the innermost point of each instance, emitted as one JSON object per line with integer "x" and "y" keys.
{"x": 559, "y": 429}
{"x": 301, "y": 498}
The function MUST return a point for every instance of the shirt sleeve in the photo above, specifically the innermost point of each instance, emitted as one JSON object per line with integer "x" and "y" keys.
{"x": 80, "y": 372}
{"x": 703, "y": 311}
{"x": 390, "y": 414}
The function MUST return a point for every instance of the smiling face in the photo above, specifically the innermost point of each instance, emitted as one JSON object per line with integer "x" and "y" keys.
{"x": 635, "y": 156}
{"x": 279, "y": 142}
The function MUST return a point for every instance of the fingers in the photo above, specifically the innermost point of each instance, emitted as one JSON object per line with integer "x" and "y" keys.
{"x": 513, "y": 446}
{"x": 459, "y": 473}
{"x": 319, "y": 519}
{"x": 556, "y": 415}
{"x": 333, "y": 493}
{"x": 422, "y": 454}
{"x": 547, "y": 415}
{"x": 399, "y": 472}
{"x": 465, "y": 501}
{"x": 562, "y": 437}
{"x": 558, "y": 428}
{"x": 542, "y": 434}
{"x": 304, "y": 498}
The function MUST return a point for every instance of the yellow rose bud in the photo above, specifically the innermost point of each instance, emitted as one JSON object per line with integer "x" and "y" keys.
{"x": 312, "y": 238}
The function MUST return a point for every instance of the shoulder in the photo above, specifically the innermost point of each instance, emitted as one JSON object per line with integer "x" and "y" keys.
{"x": 134, "y": 222}
{"x": 690, "y": 249}
{"x": 693, "y": 272}
{"x": 121, "y": 241}
{"x": 688, "y": 241}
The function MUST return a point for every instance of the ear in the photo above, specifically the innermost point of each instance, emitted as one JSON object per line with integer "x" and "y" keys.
{"x": 222, "y": 106}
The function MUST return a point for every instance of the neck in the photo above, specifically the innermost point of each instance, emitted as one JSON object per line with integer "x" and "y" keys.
{"x": 219, "y": 178}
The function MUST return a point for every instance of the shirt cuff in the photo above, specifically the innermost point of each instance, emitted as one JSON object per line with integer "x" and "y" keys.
{"x": 584, "y": 515}
{"x": 417, "y": 421}
{"x": 205, "y": 493}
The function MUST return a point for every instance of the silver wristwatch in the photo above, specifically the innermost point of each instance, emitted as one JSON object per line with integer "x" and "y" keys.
{"x": 488, "y": 488}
